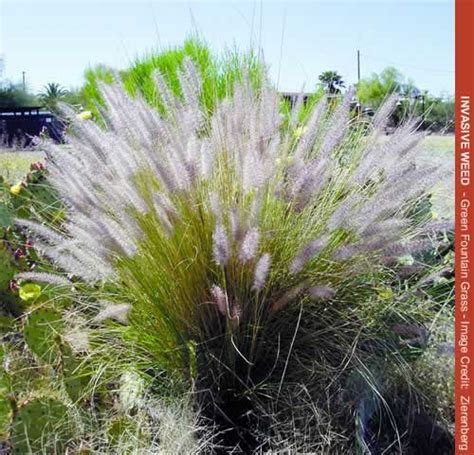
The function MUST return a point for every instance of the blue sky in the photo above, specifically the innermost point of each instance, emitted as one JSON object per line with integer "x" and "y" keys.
{"x": 56, "y": 40}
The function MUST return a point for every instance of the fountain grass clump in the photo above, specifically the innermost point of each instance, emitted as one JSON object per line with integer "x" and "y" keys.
{"x": 255, "y": 260}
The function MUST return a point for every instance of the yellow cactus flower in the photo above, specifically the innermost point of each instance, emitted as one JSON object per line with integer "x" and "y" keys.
{"x": 29, "y": 291}
{"x": 85, "y": 115}
{"x": 16, "y": 189}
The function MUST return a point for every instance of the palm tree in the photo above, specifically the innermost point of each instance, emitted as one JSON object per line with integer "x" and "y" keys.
{"x": 332, "y": 81}
{"x": 51, "y": 94}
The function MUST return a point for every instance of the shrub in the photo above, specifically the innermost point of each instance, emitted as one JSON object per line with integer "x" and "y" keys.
{"x": 13, "y": 95}
{"x": 254, "y": 258}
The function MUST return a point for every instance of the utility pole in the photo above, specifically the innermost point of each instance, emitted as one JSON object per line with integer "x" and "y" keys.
{"x": 24, "y": 81}
{"x": 358, "y": 65}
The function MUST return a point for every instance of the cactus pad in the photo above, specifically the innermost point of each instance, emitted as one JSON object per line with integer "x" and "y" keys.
{"x": 41, "y": 333}
{"x": 120, "y": 429}
{"x": 7, "y": 270}
{"x": 76, "y": 374}
{"x": 41, "y": 425}
{"x": 6, "y": 412}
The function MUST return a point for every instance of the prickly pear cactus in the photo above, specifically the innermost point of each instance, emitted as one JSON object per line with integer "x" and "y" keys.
{"x": 6, "y": 215}
{"x": 42, "y": 425}
{"x": 76, "y": 373}
{"x": 6, "y": 412}
{"x": 121, "y": 429}
{"x": 42, "y": 329}
{"x": 6, "y": 324}
{"x": 7, "y": 269}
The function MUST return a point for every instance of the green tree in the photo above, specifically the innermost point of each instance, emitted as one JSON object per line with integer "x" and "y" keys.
{"x": 332, "y": 81}
{"x": 51, "y": 94}
{"x": 13, "y": 95}
{"x": 75, "y": 97}
{"x": 373, "y": 90}
{"x": 438, "y": 113}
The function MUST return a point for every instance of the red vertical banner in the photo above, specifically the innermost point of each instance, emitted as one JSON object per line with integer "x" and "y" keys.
{"x": 464, "y": 204}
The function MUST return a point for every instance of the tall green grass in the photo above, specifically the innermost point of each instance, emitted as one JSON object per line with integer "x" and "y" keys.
{"x": 218, "y": 73}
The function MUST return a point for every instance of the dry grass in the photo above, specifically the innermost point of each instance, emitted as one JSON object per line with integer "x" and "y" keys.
{"x": 15, "y": 164}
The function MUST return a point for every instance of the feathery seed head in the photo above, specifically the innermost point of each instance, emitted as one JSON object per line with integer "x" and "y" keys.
{"x": 220, "y": 299}
{"x": 235, "y": 315}
{"x": 322, "y": 292}
{"x": 307, "y": 253}
{"x": 249, "y": 246}
{"x": 43, "y": 277}
{"x": 116, "y": 311}
{"x": 220, "y": 245}
{"x": 261, "y": 271}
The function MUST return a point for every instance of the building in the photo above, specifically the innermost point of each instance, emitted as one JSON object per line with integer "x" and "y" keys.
{"x": 21, "y": 124}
